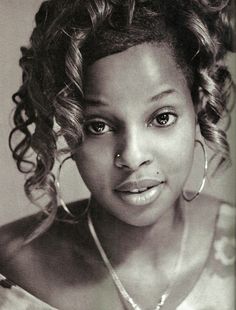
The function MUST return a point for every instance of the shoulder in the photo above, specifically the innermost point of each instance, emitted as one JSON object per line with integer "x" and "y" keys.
{"x": 14, "y": 297}
{"x": 223, "y": 250}
{"x": 212, "y": 223}
{"x": 207, "y": 205}
{"x": 13, "y": 235}
{"x": 220, "y": 266}
{"x": 214, "y": 215}
{"x": 226, "y": 219}
{"x": 49, "y": 256}
{"x": 222, "y": 215}
{"x": 204, "y": 212}
{"x": 216, "y": 283}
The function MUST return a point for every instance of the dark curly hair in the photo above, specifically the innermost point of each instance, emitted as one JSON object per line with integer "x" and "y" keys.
{"x": 71, "y": 34}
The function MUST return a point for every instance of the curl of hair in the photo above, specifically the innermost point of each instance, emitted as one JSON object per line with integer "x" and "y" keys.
{"x": 52, "y": 88}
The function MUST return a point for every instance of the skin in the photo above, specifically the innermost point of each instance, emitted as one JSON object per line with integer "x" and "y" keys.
{"x": 141, "y": 241}
{"x": 126, "y": 94}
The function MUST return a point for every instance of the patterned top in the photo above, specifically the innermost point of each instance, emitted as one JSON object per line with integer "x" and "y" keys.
{"x": 213, "y": 290}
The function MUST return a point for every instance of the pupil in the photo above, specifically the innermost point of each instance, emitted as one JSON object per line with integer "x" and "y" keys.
{"x": 163, "y": 118}
{"x": 99, "y": 127}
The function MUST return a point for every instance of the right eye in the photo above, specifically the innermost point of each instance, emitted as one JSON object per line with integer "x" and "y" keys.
{"x": 97, "y": 127}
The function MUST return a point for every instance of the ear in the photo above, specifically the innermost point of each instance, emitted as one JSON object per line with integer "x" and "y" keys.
{"x": 197, "y": 127}
{"x": 198, "y": 135}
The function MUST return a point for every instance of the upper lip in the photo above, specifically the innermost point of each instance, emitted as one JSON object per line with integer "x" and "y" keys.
{"x": 130, "y": 185}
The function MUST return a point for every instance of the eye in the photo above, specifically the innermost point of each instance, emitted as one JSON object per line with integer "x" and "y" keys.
{"x": 97, "y": 127}
{"x": 164, "y": 119}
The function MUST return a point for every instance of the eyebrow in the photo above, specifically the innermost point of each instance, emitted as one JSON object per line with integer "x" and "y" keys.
{"x": 97, "y": 101}
{"x": 162, "y": 94}
{"x": 94, "y": 102}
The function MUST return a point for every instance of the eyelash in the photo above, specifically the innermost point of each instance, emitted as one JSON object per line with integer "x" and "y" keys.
{"x": 168, "y": 120}
{"x": 90, "y": 130}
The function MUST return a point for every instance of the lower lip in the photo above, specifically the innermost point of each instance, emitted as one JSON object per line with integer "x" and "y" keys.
{"x": 141, "y": 199}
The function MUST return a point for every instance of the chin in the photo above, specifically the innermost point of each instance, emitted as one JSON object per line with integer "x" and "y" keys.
{"x": 137, "y": 217}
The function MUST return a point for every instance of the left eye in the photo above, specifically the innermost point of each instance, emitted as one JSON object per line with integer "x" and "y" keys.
{"x": 164, "y": 119}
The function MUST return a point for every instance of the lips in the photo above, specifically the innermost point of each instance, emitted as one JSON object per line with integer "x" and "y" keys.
{"x": 139, "y": 192}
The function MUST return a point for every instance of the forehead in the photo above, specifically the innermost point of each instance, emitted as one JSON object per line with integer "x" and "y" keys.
{"x": 137, "y": 72}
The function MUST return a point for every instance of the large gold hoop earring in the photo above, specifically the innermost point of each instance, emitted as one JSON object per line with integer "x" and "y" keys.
{"x": 59, "y": 193}
{"x": 204, "y": 175}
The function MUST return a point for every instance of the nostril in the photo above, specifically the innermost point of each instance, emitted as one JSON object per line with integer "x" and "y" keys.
{"x": 131, "y": 160}
{"x": 145, "y": 163}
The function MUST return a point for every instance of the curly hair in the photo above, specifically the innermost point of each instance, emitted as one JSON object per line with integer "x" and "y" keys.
{"x": 71, "y": 34}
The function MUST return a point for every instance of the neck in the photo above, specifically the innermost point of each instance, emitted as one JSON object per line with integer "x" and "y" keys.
{"x": 150, "y": 244}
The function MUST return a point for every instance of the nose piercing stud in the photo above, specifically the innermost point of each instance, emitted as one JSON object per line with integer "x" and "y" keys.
{"x": 117, "y": 160}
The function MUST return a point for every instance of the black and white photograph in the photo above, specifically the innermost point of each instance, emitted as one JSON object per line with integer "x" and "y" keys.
{"x": 117, "y": 154}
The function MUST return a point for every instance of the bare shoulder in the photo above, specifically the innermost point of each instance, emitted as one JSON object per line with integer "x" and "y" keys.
{"x": 12, "y": 236}
{"x": 203, "y": 215}
{"x": 221, "y": 260}
{"x": 54, "y": 257}
{"x": 211, "y": 217}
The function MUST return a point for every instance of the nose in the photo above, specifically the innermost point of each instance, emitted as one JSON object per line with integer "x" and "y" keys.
{"x": 133, "y": 151}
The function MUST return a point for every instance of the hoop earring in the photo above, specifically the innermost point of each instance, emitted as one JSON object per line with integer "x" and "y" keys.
{"x": 59, "y": 194}
{"x": 204, "y": 175}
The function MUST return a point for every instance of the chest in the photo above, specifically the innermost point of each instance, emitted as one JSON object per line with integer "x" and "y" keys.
{"x": 145, "y": 290}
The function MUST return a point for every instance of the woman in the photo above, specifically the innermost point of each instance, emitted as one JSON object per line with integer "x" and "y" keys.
{"x": 134, "y": 87}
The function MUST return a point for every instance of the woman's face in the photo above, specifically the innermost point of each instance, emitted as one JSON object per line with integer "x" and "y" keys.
{"x": 137, "y": 105}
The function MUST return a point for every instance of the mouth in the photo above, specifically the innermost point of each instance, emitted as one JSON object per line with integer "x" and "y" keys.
{"x": 139, "y": 192}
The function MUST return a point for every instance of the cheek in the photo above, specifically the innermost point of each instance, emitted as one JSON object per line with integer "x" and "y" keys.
{"x": 178, "y": 155}
{"x": 94, "y": 161}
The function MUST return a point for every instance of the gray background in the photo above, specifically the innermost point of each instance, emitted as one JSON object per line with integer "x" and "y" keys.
{"x": 16, "y": 24}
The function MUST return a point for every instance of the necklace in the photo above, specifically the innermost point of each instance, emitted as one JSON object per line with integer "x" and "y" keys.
{"x": 123, "y": 292}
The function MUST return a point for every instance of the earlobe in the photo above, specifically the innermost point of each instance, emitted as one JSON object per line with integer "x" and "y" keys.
{"x": 198, "y": 134}
{"x": 196, "y": 118}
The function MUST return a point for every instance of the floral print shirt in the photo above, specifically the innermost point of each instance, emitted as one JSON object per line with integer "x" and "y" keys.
{"x": 214, "y": 289}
